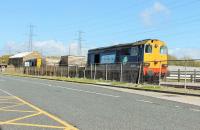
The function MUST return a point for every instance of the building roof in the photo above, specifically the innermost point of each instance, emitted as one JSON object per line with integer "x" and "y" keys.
{"x": 20, "y": 55}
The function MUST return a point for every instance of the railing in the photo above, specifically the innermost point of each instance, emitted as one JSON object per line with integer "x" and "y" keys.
{"x": 183, "y": 73}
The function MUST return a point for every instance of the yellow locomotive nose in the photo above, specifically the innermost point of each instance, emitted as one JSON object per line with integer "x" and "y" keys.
{"x": 156, "y": 62}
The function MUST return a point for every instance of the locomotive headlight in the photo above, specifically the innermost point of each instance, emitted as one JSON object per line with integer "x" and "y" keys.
{"x": 146, "y": 64}
{"x": 164, "y": 65}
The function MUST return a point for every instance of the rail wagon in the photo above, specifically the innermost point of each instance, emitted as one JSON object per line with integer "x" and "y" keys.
{"x": 151, "y": 54}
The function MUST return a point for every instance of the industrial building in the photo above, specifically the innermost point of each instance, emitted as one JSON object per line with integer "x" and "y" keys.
{"x": 70, "y": 60}
{"x": 52, "y": 60}
{"x": 25, "y": 59}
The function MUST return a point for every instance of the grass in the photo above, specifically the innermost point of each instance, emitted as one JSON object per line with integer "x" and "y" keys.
{"x": 114, "y": 83}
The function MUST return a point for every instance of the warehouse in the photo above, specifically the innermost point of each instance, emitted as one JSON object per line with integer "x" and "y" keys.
{"x": 70, "y": 60}
{"x": 24, "y": 58}
{"x": 52, "y": 60}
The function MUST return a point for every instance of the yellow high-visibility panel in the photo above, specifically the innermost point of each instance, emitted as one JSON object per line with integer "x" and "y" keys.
{"x": 39, "y": 62}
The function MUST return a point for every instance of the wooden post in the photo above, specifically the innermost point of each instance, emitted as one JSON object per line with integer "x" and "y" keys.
{"x": 68, "y": 71}
{"x": 61, "y": 71}
{"x": 76, "y": 71}
{"x": 54, "y": 70}
{"x": 84, "y": 72}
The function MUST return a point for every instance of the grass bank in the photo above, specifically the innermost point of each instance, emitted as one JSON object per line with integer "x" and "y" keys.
{"x": 144, "y": 87}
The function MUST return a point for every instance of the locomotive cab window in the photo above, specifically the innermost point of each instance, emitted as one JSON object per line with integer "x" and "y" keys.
{"x": 134, "y": 51}
{"x": 163, "y": 50}
{"x": 125, "y": 51}
{"x": 148, "y": 48}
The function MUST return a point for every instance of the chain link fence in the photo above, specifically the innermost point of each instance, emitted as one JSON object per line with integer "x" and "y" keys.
{"x": 179, "y": 73}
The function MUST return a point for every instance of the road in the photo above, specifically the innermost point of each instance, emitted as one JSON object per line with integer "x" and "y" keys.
{"x": 88, "y": 107}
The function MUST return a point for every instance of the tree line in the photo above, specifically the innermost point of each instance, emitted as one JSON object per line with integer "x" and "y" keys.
{"x": 188, "y": 61}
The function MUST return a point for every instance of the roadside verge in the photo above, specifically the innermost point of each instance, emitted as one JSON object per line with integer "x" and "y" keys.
{"x": 144, "y": 87}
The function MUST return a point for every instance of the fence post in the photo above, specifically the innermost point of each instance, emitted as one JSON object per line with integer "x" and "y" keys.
{"x": 95, "y": 71}
{"x": 26, "y": 70}
{"x": 160, "y": 71}
{"x": 191, "y": 78}
{"x": 91, "y": 71}
{"x": 179, "y": 75}
{"x": 195, "y": 74}
{"x": 38, "y": 70}
{"x": 68, "y": 71}
{"x": 121, "y": 72}
{"x": 106, "y": 72}
{"x": 60, "y": 70}
{"x": 54, "y": 70}
{"x": 139, "y": 76}
{"x": 84, "y": 72}
{"x": 185, "y": 86}
{"x": 46, "y": 70}
{"x": 76, "y": 71}
{"x": 35, "y": 70}
{"x": 42, "y": 71}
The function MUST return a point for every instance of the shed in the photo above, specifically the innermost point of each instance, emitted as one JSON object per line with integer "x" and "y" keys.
{"x": 70, "y": 60}
{"x": 18, "y": 60}
{"x": 52, "y": 60}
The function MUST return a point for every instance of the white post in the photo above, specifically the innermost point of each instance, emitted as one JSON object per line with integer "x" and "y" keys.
{"x": 91, "y": 71}
{"x": 95, "y": 69}
{"x": 106, "y": 72}
{"x": 185, "y": 86}
{"x": 121, "y": 72}
{"x": 84, "y": 72}
{"x": 160, "y": 71}
{"x": 139, "y": 76}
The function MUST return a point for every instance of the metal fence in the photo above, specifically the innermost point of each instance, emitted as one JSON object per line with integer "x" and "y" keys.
{"x": 181, "y": 73}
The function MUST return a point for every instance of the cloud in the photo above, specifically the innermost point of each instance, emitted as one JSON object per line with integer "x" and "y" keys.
{"x": 13, "y": 47}
{"x": 185, "y": 52}
{"x": 50, "y": 47}
{"x": 153, "y": 13}
{"x": 74, "y": 49}
{"x": 46, "y": 47}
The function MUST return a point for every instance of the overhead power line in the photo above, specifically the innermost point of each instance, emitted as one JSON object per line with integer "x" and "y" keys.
{"x": 80, "y": 40}
{"x": 30, "y": 44}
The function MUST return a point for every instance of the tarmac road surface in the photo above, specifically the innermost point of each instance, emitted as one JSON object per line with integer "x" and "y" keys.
{"x": 27, "y": 103}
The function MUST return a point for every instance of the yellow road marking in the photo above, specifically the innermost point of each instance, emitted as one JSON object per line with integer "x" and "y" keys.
{"x": 18, "y": 111}
{"x": 37, "y": 125}
{"x": 6, "y": 97}
{"x": 68, "y": 126}
{"x": 11, "y": 106}
{"x": 20, "y": 118}
{"x": 65, "y": 126}
{"x": 9, "y": 102}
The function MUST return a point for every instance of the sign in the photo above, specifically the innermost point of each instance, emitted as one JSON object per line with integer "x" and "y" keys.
{"x": 27, "y": 64}
{"x": 108, "y": 58}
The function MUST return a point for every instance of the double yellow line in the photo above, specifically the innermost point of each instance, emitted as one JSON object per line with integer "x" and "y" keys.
{"x": 38, "y": 111}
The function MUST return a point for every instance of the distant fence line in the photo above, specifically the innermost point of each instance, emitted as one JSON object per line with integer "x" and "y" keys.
{"x": 188, "y": 72}
{"x": 117, "y": 72}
